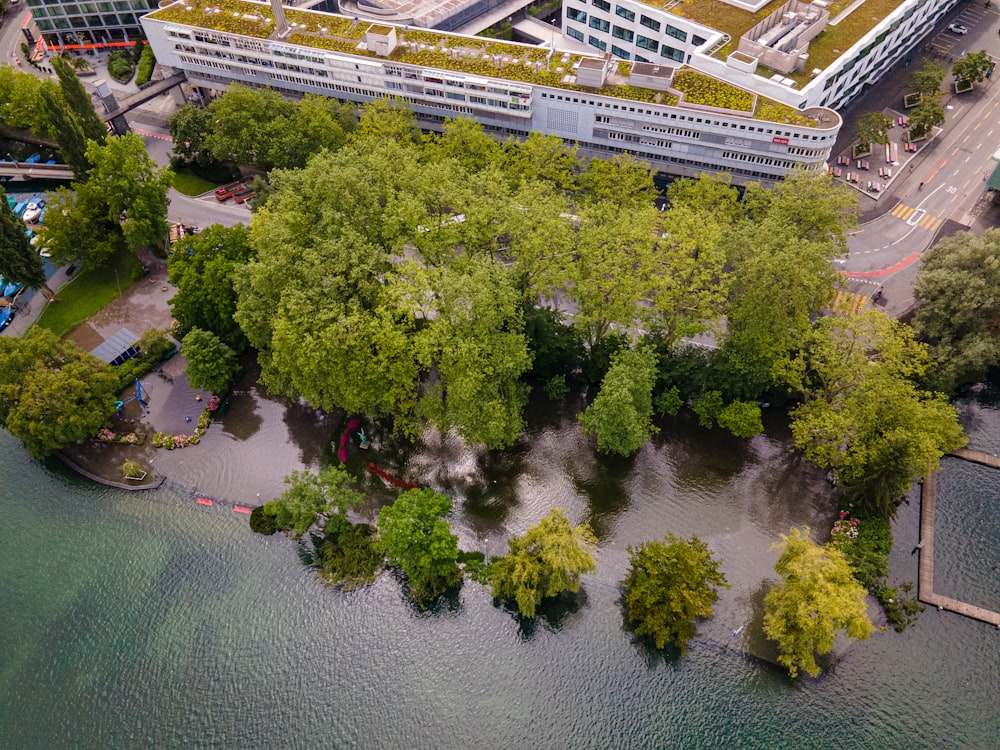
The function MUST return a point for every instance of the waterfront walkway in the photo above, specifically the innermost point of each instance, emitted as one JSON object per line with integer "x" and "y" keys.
{"x": 925, "y": 586}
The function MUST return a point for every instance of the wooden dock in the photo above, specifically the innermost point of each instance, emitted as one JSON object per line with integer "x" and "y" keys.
{"x": 986, "y": 459}
{"x": 925, "y": 585}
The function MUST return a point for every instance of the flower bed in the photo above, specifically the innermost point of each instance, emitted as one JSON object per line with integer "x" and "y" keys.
{"x": 110, "y": 436}
{"x": 170, "y": 442}
{"x": 845, "y": 531}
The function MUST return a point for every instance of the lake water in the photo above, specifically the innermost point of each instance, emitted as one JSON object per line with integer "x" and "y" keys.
{"x": 146, "y": 620}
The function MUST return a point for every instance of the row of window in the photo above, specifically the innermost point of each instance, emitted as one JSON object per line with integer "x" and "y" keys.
{"x": 87, "y": 22}
{"x": 596, "y": 22}
{"x": 765, "y": 160}
{"x": 39, "y": 10}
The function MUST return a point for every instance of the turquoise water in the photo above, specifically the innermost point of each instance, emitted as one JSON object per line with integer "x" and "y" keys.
{"x": 145, "y": 620}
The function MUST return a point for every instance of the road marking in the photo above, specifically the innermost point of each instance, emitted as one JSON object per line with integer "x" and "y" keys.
{"x": 955, "y": 151}
{"x": 966, "y": 184}
{"x": 915, "y": 216}
{"x": 884, "y": 271}
{"x": 966, "y": 138}
{"x": 977, "y": 126}
{"x": 935, "y": 224}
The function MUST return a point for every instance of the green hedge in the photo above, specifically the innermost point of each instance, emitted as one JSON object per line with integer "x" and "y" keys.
{"x": 146, "y": 64}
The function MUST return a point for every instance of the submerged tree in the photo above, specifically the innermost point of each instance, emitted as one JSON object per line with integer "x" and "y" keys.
{"x": 863, "y": 416}
{"x": 547, "y": 561}
{"x": 621, "y": 415}
{"x": 669, "y": 585}
{"x": 818, "y": 595}
{"x": 313, "y": 498}
{"x": 414, "y": 535}
{"x": 212, "y": 364}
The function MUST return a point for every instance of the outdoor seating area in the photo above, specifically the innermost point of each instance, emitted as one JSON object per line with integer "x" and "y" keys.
{"x": 858, "y": 170}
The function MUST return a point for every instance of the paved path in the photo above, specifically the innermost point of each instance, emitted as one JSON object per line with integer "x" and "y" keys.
{"x": 925, "y": 586}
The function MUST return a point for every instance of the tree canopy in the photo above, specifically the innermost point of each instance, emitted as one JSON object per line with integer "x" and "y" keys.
{"x": 415, "y": 536}
{"x": 669, "y": 585}
{"x": 546, "y": 561}
{"x": 311, "y": 498}
{"x": 203, "y": 267}
{"x": 52, "y": 393}
{"x": 863, "y": 416}
{"x": 959, "y": 313}
{"x": 621, "y": 415}
{"x": 871, "y": 128}
{"x": 18, "y": 259}
{"x": 972, "y": 66}
{"x": 212, "y": 364}
{"x": 816, "y": 597}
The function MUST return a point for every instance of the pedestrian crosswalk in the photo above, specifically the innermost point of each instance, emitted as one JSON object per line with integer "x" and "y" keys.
{"x": 926, "y": 221}
{"x": 849, "y": 304}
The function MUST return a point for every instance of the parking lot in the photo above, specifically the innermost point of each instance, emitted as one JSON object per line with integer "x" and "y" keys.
{"x": 949, "y": 44}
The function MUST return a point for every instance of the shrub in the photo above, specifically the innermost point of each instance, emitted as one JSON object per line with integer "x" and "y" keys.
{"x": 120, "y": 66}
{"x": 348, "y": 556}
{"x": 146, "y": 64}
{"x": 132, "y": 470}
{"x": 262, "y": 521}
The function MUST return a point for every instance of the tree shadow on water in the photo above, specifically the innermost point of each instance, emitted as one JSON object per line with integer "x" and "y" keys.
{"x": 605, "y": 491}
{"x": 553, "y": 613}
{"x": 492, "y": 494}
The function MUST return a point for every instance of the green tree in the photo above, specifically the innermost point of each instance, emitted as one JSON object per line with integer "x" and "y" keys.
{"x": 547, "y": 561}
{"x": 465, "y": 141}
{"x": 817, "y": 596}
{"x": 863, "y": 416}
{"x": 247, "y": 124}
{"x": 871, "y": 128}
{"x": 926, "y": 116}
{"x": 52, "y": 393}
{"x": 77, "y": 227}
{"x": 18, "y": 259}
{"x": 415, "y": 536}
{"x": 68, "y": 134}
{"x": 315, "y": 124}
{"x": 203, "y": 267}
{"x": 621, "y": 415}
{"x": 610, "y": 272}
{"x": 928, "y": 77}
{"x": 669, "y": 585}
{"x": 134, "y": 190}
{"x": 386, "y": 121}
{"x": 622, "y": 178}
{"x": 959, "y": 312}
{"x": 314, "y": 498}
{"x": 20, "y": 101}
{"x": 190, "y": 127}
{"x": 78, "y": 101}
{"x": 972, "y": 66}
{"x": 542, "y": 157}
{"x": 212, "y": 365}
{"x": 741, "y": 418}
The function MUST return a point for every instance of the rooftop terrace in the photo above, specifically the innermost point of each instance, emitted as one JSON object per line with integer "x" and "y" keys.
{"x": 472, "y": 55}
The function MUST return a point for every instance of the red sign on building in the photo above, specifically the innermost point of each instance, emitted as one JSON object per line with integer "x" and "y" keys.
{"x": 783, "y": 141}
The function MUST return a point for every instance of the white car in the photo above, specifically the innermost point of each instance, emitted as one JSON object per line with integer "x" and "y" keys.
{"x": 957, "y": 28}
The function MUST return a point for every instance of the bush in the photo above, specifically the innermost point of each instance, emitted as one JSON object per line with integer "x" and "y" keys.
{"x": 262, "y": 521}
{"x": 132, "y": 470}
{"x": 146, "y": 64}
{"x": 348, "y": 556}
{"x": 121, "y": 66}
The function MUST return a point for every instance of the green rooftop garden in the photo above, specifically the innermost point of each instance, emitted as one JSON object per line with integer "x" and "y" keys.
{"x": 823, "y": 50}
{"x": 477, "y": 56}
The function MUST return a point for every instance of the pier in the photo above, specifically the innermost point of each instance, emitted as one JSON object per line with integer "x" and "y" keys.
{"x": 925, "y": 585}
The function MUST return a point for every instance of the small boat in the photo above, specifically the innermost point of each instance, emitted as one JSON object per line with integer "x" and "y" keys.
{"x": 33, "y": 159}
{"x": 32, "y": 212}
{"x": 20, "y": 206}
{"x": 11, "y": 201}
{"x": 6, "y": 316}
{"x": 51, "y": 161}
{"x": 12, "y": 288}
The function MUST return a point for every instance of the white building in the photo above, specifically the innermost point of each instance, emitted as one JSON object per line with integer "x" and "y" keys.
{"x": 679, "y": 120}
{"x": 798, "y": 53}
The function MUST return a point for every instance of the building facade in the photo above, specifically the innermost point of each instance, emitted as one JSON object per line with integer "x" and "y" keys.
{"x": 825, "y": 71}
{"x": 604, "y": 106}
{"x": 85, "y": 25}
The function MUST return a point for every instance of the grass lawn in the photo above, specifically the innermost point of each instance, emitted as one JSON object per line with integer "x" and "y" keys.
{"x": 90, "y": 291}
{"x": 191, "y": 184}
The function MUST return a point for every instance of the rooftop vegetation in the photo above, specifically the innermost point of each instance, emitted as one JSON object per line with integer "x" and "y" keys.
{"x": 485, "y": 57}
{"x": 823, "y": 50}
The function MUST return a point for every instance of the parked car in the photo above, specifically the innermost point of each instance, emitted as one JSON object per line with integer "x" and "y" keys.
{"x": 957, "y": 28}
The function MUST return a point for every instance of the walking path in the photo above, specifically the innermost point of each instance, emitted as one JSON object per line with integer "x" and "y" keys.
{"x": 925, "y": 586}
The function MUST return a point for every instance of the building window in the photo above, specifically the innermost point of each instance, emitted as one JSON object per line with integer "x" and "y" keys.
{"x": 624, "y": 13}
{"x": 576, "y": 15}
{"x": 672, "y": 54}
{"x": 619, "y": 52}
{"x": 593, "y": 41}
{"x": 649, "y": 23}
{"x": 624, "y": 34}
{"x": 677, "y": 33}
{"x": 599, "y": 23}
{"x": 576, "y": 34}
{"x": 697, "y": 41}
{"x": 602, "y": 4}
{"x": 640, "y": 58}
{"x": 647, "y": 43}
